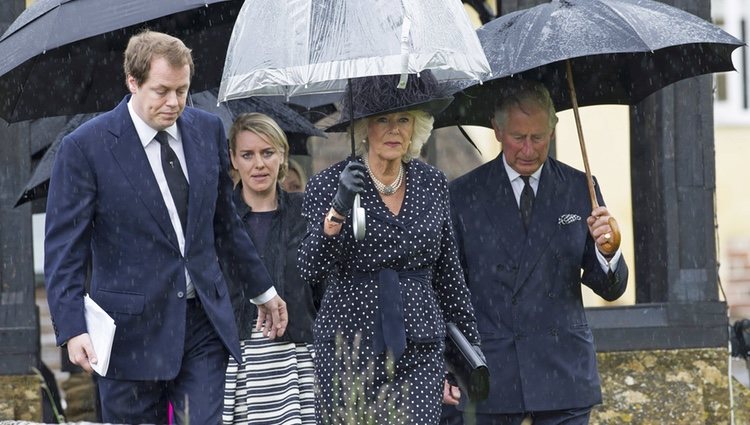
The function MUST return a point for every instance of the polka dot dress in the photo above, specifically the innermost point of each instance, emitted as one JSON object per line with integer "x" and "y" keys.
{"x": 418, "y": 239}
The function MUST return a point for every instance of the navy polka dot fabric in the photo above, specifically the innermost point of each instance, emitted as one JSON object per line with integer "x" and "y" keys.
{"x": 419, "y": 238}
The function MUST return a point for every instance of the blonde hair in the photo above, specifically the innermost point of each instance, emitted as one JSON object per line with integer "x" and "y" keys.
{"x": 265, "y": 127}
{"x": 422, "y": 128}
{"x": 147, "y": 45}
{"x": 297, "y": 168}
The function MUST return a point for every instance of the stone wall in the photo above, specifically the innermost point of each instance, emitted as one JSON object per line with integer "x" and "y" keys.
{"x": 20, "y": 398}
{"x": 669, "y": 387}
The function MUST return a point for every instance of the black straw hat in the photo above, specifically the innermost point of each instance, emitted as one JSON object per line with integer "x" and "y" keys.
{"x": 380, "y": 95}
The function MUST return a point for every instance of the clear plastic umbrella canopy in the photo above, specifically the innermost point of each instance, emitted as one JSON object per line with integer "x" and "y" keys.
{"x": 303, "y": 50}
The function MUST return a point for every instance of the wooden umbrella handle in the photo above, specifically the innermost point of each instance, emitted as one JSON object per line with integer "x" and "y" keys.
{"x": 614, "y": 241}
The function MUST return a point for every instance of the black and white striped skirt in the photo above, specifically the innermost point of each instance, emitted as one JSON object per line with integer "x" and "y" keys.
{"x": 273, "y": 385}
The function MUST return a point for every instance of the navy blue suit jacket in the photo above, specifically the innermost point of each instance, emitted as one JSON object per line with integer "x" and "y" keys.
{"x": 105, "y": 209}
{"x": 526, "y": 290}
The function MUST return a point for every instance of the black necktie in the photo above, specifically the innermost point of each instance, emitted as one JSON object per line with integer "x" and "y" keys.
{"x": 527, "y": 202}
{"x": 178, "y": 185}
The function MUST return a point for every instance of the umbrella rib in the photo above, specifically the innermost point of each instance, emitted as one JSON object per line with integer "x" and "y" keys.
{"x": 34, "y": 60}
{"x": 628, "y": 23}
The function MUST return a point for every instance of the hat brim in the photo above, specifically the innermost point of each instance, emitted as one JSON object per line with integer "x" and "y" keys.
{"x": 432, "y": 107}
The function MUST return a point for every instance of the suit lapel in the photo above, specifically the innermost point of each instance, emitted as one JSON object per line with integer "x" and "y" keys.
{"x": 501, "y": 208}
{"x": 193, "y": 144}
{"x": 131, "y": 157}
{"x": 548, "y": 206}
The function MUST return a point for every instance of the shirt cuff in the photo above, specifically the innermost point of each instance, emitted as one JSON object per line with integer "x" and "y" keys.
{"x": 264, "y": 297}
{"x": 608, "y": 265}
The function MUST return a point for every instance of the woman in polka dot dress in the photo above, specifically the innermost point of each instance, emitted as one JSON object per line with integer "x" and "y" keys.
{"x": 396, "y": 288}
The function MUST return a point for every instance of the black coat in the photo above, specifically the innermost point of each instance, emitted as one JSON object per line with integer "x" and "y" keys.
{"x": 280, "y": 258}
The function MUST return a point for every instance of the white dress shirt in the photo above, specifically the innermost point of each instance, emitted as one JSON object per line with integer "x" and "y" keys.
{"x": 517, "y": 183}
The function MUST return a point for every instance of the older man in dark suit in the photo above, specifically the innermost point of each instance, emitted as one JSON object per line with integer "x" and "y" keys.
{"x": 142, "y": 193}
{"x": 528, "y": 238}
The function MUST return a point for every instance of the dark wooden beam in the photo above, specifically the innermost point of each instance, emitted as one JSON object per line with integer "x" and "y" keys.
{"x": 19, "y": 318}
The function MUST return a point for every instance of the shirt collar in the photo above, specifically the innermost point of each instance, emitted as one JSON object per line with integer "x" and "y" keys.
{"x": 513, "y": 174}
{"x": 145, "y": 132}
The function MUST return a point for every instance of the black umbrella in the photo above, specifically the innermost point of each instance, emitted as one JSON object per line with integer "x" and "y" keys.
{"x": 38, "y": 184}
{"x": 620, "y": 51}
{"x": 63, "y": 57}
{"x": 296, "y": 127}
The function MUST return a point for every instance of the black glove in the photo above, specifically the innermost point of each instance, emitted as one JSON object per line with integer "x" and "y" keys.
{"x": 351, "y": 182}
{"x": 479, "y": 352}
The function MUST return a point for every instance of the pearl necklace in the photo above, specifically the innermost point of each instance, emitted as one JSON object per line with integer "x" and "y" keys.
{"x": 386, "y": 189}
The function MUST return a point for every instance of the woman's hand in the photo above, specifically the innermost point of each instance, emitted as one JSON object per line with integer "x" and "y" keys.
{"x": 351, "y": 182}
{"x": 451, "y": 394}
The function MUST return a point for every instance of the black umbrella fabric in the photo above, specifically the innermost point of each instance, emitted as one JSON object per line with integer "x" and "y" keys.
{"x": 296, "y": 127}
{"x": 63, "y": 57}
{"x": 620, "y": 52}
{"x": 38, "y": 184}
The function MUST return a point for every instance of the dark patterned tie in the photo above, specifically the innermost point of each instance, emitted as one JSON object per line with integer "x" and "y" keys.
{"x": 527, "y": 202}
{"x": 178, "y": 185}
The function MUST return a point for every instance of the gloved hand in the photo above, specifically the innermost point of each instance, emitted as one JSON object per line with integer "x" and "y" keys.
{"x": 351, "y": 182}
{"x": 479, "y": 352}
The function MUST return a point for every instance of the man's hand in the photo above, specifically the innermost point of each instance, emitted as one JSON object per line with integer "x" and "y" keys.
{"x": 602, "y": 231}
{"x": 272, "y": 318}
{"x": 81, "y": 352}
{"x": 451, "y": 394}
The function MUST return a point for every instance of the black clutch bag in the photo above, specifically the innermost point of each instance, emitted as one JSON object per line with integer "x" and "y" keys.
{"x": 467, "y": 364}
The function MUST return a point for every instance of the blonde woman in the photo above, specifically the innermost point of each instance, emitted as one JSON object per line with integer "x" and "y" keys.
{"x": 397, "y": 287}
{"x": 274, "y": 382}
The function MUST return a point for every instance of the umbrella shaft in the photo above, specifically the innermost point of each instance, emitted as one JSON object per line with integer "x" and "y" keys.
{"x": 589, "y": 179}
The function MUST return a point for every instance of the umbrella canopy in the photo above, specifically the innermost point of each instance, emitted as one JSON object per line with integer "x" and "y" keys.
{"x": 38, "y": 184}
{"x": 296, "y": 127}
{"x": 300, "y": 50}
{"x": 307, "y": 49}
{"x": 62, "y": 57}
{"x": 293, "y": 124}
{"x": 620, "y": 51}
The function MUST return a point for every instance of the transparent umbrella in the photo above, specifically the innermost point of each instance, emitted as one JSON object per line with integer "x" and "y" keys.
{"x": 305, "y": 51}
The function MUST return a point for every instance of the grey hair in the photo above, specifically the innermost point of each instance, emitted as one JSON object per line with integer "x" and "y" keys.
{"x": 522, "y": 92}
{"x": 422, "y": 128}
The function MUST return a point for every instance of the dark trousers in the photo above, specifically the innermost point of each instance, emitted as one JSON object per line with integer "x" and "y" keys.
{"x": 451, "y": 416}
{"x": 200, "y": 381}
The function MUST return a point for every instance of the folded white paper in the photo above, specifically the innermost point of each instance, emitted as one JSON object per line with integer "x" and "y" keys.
{"x": 101, "y": 329}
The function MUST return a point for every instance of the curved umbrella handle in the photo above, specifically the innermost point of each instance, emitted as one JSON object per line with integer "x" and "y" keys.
{"x": 358, "y": 220}
{"x": 614, "y": 241}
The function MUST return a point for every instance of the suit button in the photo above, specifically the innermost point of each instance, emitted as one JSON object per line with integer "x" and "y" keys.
{"x": 514, "y": 301}
{"x": 180, "y": 294}
{"x": 550, "y": 294}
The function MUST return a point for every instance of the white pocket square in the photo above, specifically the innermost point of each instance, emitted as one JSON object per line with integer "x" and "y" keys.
{"x": 568, "y": 218}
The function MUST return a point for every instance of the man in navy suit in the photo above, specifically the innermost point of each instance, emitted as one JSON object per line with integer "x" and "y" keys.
{"x": 528, "y": 238}
{"x": 142, "y": 194}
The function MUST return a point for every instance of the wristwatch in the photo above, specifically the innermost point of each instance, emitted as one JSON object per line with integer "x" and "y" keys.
{"x": 332, "y": 217}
